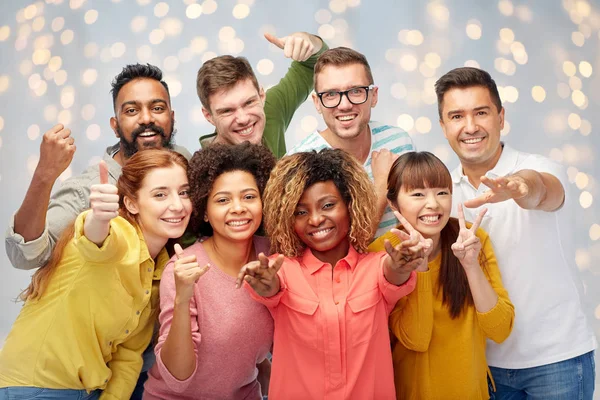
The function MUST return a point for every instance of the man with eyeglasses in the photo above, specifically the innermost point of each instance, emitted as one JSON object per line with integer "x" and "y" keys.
{"x": 344, "y": 97}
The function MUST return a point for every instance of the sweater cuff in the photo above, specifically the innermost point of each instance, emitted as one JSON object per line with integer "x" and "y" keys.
{"x": 174, "y": 384}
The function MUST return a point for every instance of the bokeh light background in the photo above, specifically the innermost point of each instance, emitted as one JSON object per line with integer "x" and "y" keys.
{"x": 57, "y": 59}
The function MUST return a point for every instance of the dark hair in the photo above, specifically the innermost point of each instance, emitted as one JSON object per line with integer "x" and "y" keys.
{"x": 129, "y": 183}
{"x": 135, "y": 71}
{"x": 419, "y": 170}
{"x": 294, "y": 174}
{"x": 221, "y": 73}
{"x": 341, "y": 57}
{"x": 465, "y": 77}
{"x": 211, "y": 162}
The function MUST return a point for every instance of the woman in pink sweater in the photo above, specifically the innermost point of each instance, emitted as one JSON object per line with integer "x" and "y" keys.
{"x": 214, "y": 339}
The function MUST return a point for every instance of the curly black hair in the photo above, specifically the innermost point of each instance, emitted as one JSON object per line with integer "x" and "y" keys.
{"x": 209, "y": 163}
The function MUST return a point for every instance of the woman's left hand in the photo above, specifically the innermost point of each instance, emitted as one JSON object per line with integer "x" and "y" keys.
{"x": 468, "y": 245}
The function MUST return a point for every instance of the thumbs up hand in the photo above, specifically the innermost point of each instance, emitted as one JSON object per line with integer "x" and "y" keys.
{"x": 187, "y": 272}
{"x": 104, "y": 202}
{"x": 104, "y": 197}
{"x": 299, "y": 46}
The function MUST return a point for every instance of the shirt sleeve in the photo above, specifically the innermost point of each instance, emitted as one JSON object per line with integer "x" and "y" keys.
{"x": 126, "y": 365}
{"x": 283, "y": 99}
{"x": 65, "y": 205}
{"x": 167, "y": 301}
{"x": 392, "y": 293}
{"x": 121, "y": 240}
{"x": 498, "y": 322}
{"x": 411, "y": 321}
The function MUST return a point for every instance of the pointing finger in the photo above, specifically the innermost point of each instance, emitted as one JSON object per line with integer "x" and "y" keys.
{"x": 275, "y": 40}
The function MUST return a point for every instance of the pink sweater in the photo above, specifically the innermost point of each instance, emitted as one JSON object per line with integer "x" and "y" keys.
{"x": 231, "y": 332}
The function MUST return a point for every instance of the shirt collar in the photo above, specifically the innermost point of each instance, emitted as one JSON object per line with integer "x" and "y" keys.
{"x": 313, "y": 264}
{"x": 505, "y": 165}
{"x": 161, "y": 259}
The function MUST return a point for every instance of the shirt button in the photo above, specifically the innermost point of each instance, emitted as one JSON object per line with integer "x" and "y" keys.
{"x": 338, "y": 280}
{"x": 149, "y": 269}
{"x": 147, "y": 291}
{"x": 337, "y": 302}
{"x": 110, "y": 343}
{"x": 137, "y": 312}
{"x": 127, "y": 331}
{"x": 106, "y": 380}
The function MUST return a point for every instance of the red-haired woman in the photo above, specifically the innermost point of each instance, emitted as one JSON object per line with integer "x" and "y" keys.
{"x": 90, "y": 313}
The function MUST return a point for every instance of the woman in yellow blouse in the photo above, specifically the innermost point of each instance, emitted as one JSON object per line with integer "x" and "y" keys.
{"x": 442, "y": 326}
{"x": 90, "y": 312}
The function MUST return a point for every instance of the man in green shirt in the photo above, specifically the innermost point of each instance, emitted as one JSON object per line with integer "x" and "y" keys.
{"x": 239, "y": 108}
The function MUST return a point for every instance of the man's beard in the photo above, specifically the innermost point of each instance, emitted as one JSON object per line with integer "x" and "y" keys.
{"x": 130, "y": 148}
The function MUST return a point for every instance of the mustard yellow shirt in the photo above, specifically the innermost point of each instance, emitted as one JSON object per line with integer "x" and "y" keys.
{"x": 437, "y": 357}
{"x": 89, "y": 328}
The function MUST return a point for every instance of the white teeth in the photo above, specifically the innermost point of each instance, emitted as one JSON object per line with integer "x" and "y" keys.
{"x": 321, "y": 232}
{"x": 347, "y": 117}
{"x": 472, "y": 141}
{"x": 238, "y": 223}
{"x": 173, "y": 220}
{"x": 430, "y": 218}
{"x": 146, "y": 134}
{"x": 246, "y": 131}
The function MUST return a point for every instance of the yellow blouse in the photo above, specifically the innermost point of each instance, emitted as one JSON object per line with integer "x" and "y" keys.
{"x": 90, "y": 327}
{"x": 435, "y": 356}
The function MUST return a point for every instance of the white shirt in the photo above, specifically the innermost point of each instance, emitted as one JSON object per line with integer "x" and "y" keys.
{"x": 535, "y": 259}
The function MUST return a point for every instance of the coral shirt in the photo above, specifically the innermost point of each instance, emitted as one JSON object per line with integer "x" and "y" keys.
{"x": 331, "y": 337}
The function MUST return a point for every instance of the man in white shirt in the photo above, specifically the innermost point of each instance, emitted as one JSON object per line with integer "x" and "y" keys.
{"x": 345, "y": 95}
{"x": 550, "y": 352}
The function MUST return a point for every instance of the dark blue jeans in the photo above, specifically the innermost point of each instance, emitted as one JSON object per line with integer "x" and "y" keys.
{"x": 571, "y": 379}
{"x": 33, "y": 393}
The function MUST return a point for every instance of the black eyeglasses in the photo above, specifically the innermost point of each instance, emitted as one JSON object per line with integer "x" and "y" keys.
{"x": 356, "y": 95}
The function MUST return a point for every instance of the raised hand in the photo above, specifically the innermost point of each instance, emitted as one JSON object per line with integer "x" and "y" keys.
{"x": 412, "y": 253}
{"x": 104, "y": 202}
{"x": 187, "y": 272}
{"x": 501, "y": 189}
{"x": 381, "y": 162}
{"x": 56, "y": 152}
{"x": 299, "y": 46}
{"x": 468, "y": 245}
{"x": 104, "y": 197}
{"x": 261, "y": 275}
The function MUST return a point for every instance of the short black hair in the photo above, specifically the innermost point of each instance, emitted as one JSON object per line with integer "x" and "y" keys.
{"x": 211, "y": 162}
{"x": 465, "y": 77}
{"x": 136, "y": 71}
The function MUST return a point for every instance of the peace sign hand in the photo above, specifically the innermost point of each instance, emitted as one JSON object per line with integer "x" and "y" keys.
{"x": 261, "y": 275}
{"x": 468, "y": 245}
{"x": 412, "y": 253}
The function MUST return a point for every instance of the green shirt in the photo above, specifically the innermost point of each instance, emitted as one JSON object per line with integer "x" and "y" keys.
{"x": 281, "y": 102}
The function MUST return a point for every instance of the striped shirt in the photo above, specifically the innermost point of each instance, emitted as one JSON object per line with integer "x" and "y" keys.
{"x": 383, "y": 137}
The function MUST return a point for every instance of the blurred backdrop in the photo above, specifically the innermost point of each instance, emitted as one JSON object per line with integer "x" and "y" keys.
{"x": 58, "y": 57}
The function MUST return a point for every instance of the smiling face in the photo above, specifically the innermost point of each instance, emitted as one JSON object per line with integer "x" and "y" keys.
{"x": 426, "y": 209}
{"x": 322, "y": 222}
{"x": 472, "y": 125}
{"x": 234, "y": 206}
{"x": 143, "y": 116}
{"x": 237, "y": 113}
{"x": 347, "y": 120}
{"x": 163, "y": 205}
